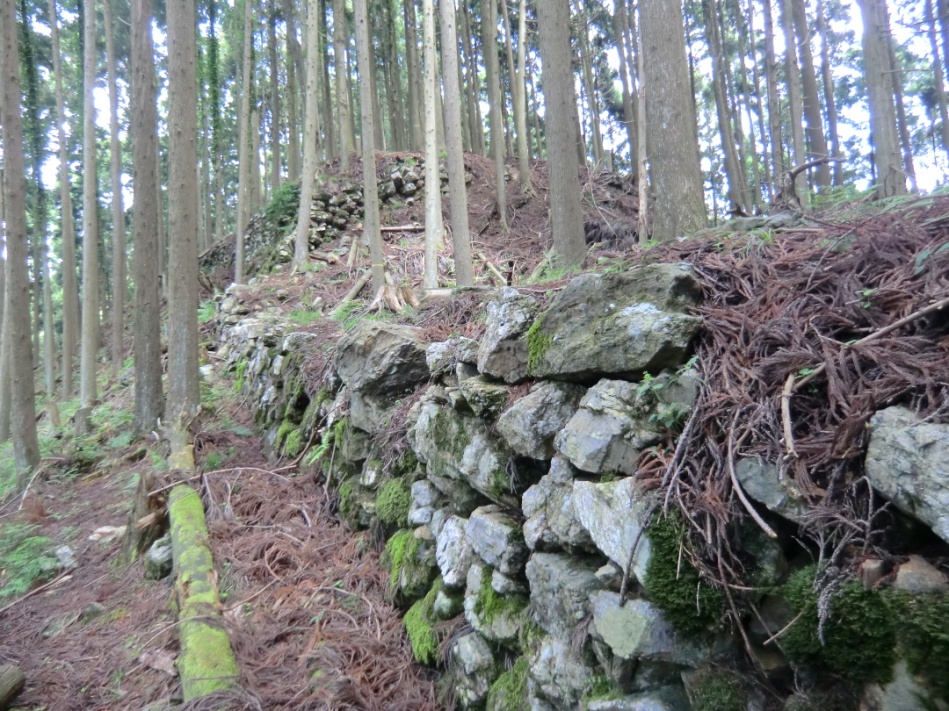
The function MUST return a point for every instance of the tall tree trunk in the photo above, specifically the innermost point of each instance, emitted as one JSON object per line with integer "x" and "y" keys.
{"x": 793, "y": 77}
{"x": 118, "y": 211}
{"x": 457, "y": 190}
{"x": 679, "y": 205}
{"x": 243, "y": 151}
{"x": 144, "y": 124}
{"x": 17, "y": 306}
{"x": 489, "y": 34}
{"x": 560, "y": 101}
{"x": 520, "y": 101}
{"x": 774, "y": 101}
{"x": 830, "y": 100}
{"x": 340, "y": 40}
{"x": 70, "y": 289}
{"x": 433, "y": 193}
{"x": 746, "y": 92}
{"x": 896, "y": 79}
{"x": 329, "y": 126}
{"x": 90, "y": 226}
{"x": 589, "y": 86}
{"x": 752, "y": 40}
{"x": 255, "y": 164}
{"x": 620, "y": 23}
{"x": 293, "y": 148}
{"x": 275, "y": 116}
{"x": 886, "y": 146}
{"x": 814, "y": 133}
{"x": 472, "y": 86}
{"x": 392, "y": 67}
{"x": 301, "y": 248}
{"x": 511, "y": 74}
{"x": 412, "y": 64}
{"x": 214, "y": 106}
{"x": 5, "y": 384}
{"x": 184, "y": 395}
{"x": 938, "y": 82}
{"x": 371, "y": 230}
{"x": 737, "y": 185}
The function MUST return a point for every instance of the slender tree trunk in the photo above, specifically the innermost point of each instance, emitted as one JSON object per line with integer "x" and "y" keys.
{"x": 679, "y": 205}
{"x": 589, "y": 87}
{"x": 774, "y": 101}
{"x": 566, "y": 220}
{"x": 473, "y": 88}
{"x": 393, "y": 80}
{"x": 814, "y": 133}
{"x": 746, "y": 92}
{"x": 489, "y": 33}
{"x": 620, "y": 23}
{"x": 275, "y": 116}
{"x": 896, "y": 79}
{"x": 118, "y": 211}
{"x": 520, "y": 100}
{"x": 293, "y": 149}
{"x": 90, "y": 227}
{"x": 886, "y": 146}
{"x": 942, "y": 11}
{"x": 340, "y": 40}
{"x": 829, "y": 98}
{"x": 5, "y": 385}
{"x": 748, "y": 24}
{"x": 371, "y": 230}
{"x": 214, "y": 105}
{"x": 938, "y": 82}
{"x": 184, "y": 395}
{"x": 329, "y": 126}
{"x": 412, "y": 64}
{"x": 144, "y": 124}
{"x": 433, "y": 193}
{"x": 17, "y": 307}
{"x": 457, "y": 191}
{"x": 511, "y": 72}
{"x": 642, "y": 139}
{"x": 793, "y": 78}
{"x": 255, "y": 173}
{"x": 301, "y": 249}
{"x": 243, "y": 151}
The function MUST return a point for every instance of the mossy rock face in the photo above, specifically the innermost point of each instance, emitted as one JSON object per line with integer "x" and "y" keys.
{"x": 922, "y": 623}
{"x": 714, "y": 689}
{"x": 859, "y": 636}
{"x": 509, "y": 691}
{"x": 356, "y": 505}
{"x": 392, "y": 503}
{"x": 410, "y": 559}
{"x": 420, "y": 626}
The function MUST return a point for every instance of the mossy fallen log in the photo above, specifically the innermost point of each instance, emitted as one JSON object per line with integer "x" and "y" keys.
{"x": 206, "y": 663}
{"x": 11, "y": 683}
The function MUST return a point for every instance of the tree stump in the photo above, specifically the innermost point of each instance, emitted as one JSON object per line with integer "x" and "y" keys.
{"x": 11, "y": 684}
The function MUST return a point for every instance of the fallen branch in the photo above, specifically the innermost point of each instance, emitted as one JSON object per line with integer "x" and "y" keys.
{"x": 495, "y": 272}
{"x": 11, "y": 684}
{"x": 354, "y": 291}
{"x": 737, "y": 487}
{"x": 35, "y": 591}
{"x": 786, "y": 415}
{"x": 414, "y": 227}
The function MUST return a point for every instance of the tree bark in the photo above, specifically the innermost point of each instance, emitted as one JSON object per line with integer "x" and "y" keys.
{"x": 293, "y": 147}
{"x": 560, "y": 101}
{"x": 243, "y": 151}
{"x": 118, "y": 211}
{"x": 184, "y": 395}
{"x": 520, "y": 102}
{"x": 679, "y": 205}
{"x": 326, "y": 120}
{"x": 938, "y": 81}
{"x": 433, "y": 193}
{"x": 886, "y": 146}
{"x": 829, "y": 98}
{"x": 90, "y": 226}
{"x": 17, "y": 300}
{"x": 793, "y": 79}
{"x": 489, "y": 35}
{"x": 814, "y": 132}
{"x": 472, "y": 87}
{"x": 149, "y": 402}
{"x": 301, "y": 245}
{"x": 774, "y": 100}
{"x": 896, "y": 79}
{"x": 340, "y": 40}
{"x": 11, "y": 684}
{"x": 370, "y": 190}
{"x": 275, "y": 115}
{"x": 620, "y": 24}
{"x": 412, "y": 65}
{"x": 589, "y": 86}
{"x": 457, "y": 190}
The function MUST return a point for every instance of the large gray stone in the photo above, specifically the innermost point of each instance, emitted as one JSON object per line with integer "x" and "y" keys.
{"x": 670, "y": 698}
{"x": 637, "y": 630}
{"x": 486, "y": 399}
{"x": 503, "y": 350}
{"x": 903, "y": 693}
{"x": 552, "y": 521}
{"x": 369, "y": 413}
{"x": 616, "y": 325}
{"x": 425, "y": 498}
{"x": 609, "y": 430}
{"x": 497, "y": 618}
{"x": 558, "y": 676}
{"x": 497, "y": 538}
{"x": 453, "y": 551}
{"x": 768, "y": 485}
{"x": 908, "y": 462}
{"x": 614, "y": 515}
{"x": 529, "y": 425}
{"x": 456, "y": 445}
{"x": 473, "y": 670}
{"x": 381, "y": 359}
{"x": 560, "y": 591}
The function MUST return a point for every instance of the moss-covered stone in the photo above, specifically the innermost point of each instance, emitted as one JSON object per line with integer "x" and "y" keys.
{"x": 923, "y": 637}
{"x": 859, "y": 634}
{"x": 602, "y": 688}
{"x": 286, "y": 427}
{"x": 715, "y": 689}
{"x": 490, "y": 606}
{"x": 420, "y": 626}
{"x": 392, "y": 503}
{"x": 538, "y": 343}
{"x": 294, "y": 443}
{"x": 411, "y": 570}
{"x": 509, "y": 691}
{"x": 689, "y": 603}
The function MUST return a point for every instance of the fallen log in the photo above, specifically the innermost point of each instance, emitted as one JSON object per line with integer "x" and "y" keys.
{"x": 11, "y": 684}
{"x": 206, "y": 663}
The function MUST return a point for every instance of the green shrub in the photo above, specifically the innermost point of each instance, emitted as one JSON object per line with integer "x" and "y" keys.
{"x": 25, "y": 558}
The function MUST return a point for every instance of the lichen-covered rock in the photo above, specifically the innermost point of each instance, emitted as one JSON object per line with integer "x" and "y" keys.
{"x": 369, "y": 413}
{"x": 158, "y": 559}
{"x": 637, "y": 630}
{"x": 498, "y": 618}
{"x": 616, "y": 325}
{"x": 918, "y": 576}
{"x": 614, "y": 515}
{"x": 486, "y": 399}
{"x": 453, "y": 552}
{"x": 903, "y": 693}
{"x": 456, "y": 445}
{"x": 558, "y": 675}
{"x": 907, "y": 461}
{"x": 552, "y": 521}
{"x": 381, "y": 359}
{"x": 609, "y": 430}
{"x": 424, "y": 499}
{"x": 669, "y": 698}
{"x": 503, "y": 350}
{"x": 530, "y": 424}
{"x": 560, "y": 591}
{"x": 497, "y": 539}
{"x": 473, "y": 669}
{"x": 765, "y": 483}
{"x": 410, "y": 555}
{"x": 442, "y": 357}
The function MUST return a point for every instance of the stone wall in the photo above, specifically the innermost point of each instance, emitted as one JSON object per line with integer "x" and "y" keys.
{"x": 514, "y": 513}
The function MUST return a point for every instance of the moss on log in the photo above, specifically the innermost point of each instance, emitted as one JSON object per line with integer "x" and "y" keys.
{"x": 206, "y": 663}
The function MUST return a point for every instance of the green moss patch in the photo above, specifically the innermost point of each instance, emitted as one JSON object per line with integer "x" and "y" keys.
{"x": 392, "y": 503}
{"x": 538, "y": 343}
{"x": 490, "y": 606}
{"x": 923, "y": 637}
{"x": 293, "y": 444}
{"x": 509, "y": 691}
{"x": 714, "y": 689}
{"x": 419, "y": 625}
{"x": 690, "y": 604}
{"x": 400, "y": 551}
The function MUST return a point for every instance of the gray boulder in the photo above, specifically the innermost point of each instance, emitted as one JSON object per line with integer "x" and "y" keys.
{"x": 616, "y": 325}
{"x": 486, "y": 399}
{"x": 503, "y": 350}
{"x": 497, "y": 618}
{"x": 369, "y": 413}
{"x": 559, "y": 678}
{"x": 453, "y": 552}
{"x": 907, "y": 461}
{"x": 381, "y": 359}
{"x": 669, "y": 698}
{"x": 903, "y": 693}
{"x": 609, "y": 430}
{"x": 473, "y": 669}
{"x": 560, "y": 591}
{"x": 529, "y": 425}
{"x": 425, "y": 498}
{"x": 497, "y": 538}
{"x": 614, "y": 515}
{"x": 768, "y": 485}
{"x": 158, "y": 559}
{"x": 552, "y": 521}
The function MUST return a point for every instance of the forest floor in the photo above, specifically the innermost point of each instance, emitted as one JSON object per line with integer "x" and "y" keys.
{"x": 305, "y": 599}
